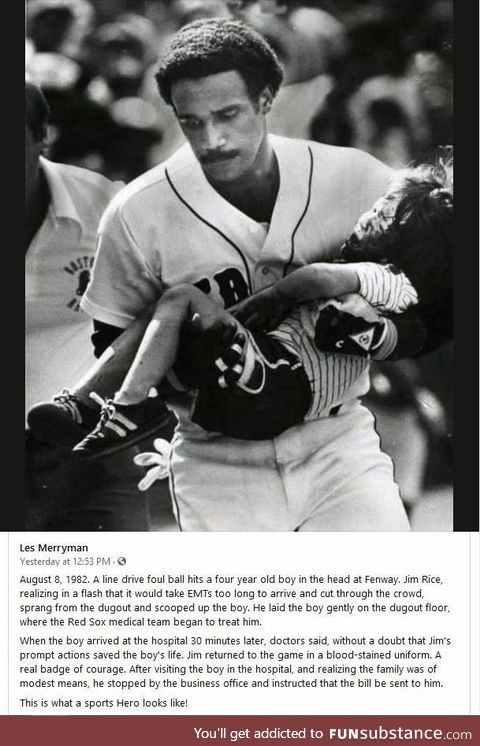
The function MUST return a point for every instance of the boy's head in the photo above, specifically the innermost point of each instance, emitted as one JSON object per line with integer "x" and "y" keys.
{"x": 411, "y": 226}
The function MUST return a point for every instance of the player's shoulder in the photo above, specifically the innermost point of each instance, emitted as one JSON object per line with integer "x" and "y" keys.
{"x": 148, "y": 189}
{"x": 346, "y": 156}
{"x": 331, "y": 158}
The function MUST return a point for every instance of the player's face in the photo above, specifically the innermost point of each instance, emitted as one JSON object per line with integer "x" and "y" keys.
{"x": 225, "y": 128}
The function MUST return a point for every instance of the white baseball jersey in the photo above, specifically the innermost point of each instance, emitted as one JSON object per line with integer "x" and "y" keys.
{"x": 170, "y": 226}
{"x": 58, "y": 265}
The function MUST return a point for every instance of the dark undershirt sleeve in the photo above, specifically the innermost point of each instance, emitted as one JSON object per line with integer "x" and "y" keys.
{"x": 412, "y": 336}
{"x": 421, "y": 330}
{"x": 103, "y": 336}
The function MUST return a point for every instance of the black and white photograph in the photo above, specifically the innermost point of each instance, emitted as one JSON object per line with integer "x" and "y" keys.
{"x": 239, "y": 265}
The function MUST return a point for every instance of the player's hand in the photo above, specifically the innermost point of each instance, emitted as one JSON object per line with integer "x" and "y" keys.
{"x": 349, "y": 328}
{"x": 199, "y": 350}
{"x": 263, "y": 310}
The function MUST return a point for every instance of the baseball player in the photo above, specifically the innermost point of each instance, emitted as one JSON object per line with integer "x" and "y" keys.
{"x": 416, "y": 212}
{"x": 231, "y": 212}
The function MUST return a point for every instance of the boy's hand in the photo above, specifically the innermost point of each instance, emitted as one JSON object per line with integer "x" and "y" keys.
{"x": 263, "y": 310}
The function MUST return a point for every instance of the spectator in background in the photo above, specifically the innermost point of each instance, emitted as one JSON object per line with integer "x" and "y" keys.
{"x": 389, "y": 118}
{"x": 307, "y": 41}
{"x": 63, "y": 208}
{"x": 186, "y": 11}
{"x": 59, "y": 63}
{"x": 123, "y": 51}
{"x": 58, "y": 26}
{"x": 433, "y": 67}
{"x": 56, "y": 31}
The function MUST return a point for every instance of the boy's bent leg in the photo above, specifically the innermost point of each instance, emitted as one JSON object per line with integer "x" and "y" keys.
{"x": 66, "y": 419}
{"x": 106, "y": 376}
{"x": 159, "y": 347}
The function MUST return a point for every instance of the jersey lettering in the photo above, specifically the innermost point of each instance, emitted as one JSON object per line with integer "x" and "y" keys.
{"x": 231, "y": 285}
{"x": 203, "y": 285}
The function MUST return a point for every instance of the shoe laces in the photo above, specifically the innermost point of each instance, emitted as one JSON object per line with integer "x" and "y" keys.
{"x": 70, "y": 402}
{"x": 111, "y": 418}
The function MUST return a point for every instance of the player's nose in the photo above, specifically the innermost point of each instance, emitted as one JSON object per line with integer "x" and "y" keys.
{"x": 213, "y": 137}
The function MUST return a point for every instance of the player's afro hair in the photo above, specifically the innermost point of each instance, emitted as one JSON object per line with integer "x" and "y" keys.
{"x": 217, "y": 45}
{"x": 419, "y": 239}
{"x": 37, "y": 111}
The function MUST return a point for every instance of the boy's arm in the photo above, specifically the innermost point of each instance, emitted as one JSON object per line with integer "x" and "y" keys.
{"x": 383, "y": 287}
{"x": 319, "y": 280}
{"x": 265, "y": 309}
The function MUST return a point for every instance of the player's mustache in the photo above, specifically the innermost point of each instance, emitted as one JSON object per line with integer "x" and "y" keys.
{"x": 218, "y": 156}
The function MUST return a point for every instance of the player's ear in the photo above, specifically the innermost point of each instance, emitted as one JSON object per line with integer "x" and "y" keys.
{"x": 265, "y": 100}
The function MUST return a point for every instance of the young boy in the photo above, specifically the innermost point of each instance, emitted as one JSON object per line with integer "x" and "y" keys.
{"x": 398, "y": 255}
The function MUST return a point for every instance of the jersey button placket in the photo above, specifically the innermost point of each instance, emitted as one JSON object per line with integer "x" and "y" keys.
{"x": 263, "y": 276}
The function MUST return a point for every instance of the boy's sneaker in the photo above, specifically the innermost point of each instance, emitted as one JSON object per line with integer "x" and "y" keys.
{"x": 63, "y": 421}
{"x": 122, "y": 426}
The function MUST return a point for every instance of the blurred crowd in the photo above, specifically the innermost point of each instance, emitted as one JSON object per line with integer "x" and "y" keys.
{"x": 373, "y": 74}
{"x": 368, "y": 73}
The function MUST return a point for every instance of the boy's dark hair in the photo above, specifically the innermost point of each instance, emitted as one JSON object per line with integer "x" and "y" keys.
{"x": 217, "y": 45}
{"x": 419, "y": 239}
{"x": 37, "y": 111}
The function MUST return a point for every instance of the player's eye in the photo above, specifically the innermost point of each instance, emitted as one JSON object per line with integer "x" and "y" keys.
{"x": 191, "y": 124}
{"x": 227, "y": 115}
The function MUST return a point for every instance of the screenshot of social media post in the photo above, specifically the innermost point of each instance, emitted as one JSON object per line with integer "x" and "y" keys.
{"x": 190, "y": 625}
{"x": 246, "y": 515}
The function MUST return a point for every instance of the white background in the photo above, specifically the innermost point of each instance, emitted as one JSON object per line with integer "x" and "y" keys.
{"x": 453, "y": 556}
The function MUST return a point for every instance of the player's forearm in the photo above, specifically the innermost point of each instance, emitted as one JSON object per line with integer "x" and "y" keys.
{"x": 319, "y": 280}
